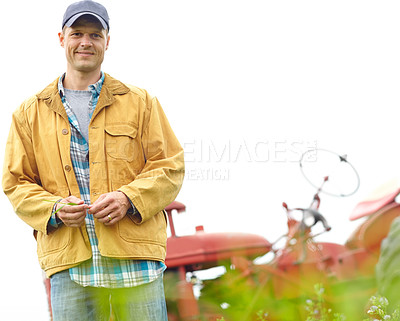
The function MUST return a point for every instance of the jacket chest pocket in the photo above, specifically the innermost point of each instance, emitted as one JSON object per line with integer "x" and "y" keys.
{"x": 121, "y": 141}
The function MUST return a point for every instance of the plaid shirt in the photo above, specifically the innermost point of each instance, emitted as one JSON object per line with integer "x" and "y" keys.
{"x": 100, "y": 271}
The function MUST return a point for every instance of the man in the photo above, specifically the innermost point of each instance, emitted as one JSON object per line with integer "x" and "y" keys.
{"x": 90, "y": 165}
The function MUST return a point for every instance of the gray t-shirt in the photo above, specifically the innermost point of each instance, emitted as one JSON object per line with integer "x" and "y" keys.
{"x": 78, "y": 100}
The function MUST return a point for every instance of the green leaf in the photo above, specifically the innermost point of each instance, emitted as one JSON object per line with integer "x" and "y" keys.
{"x": 71, "y": 204}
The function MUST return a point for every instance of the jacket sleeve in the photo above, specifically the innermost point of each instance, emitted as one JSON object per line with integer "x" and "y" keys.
{"x": 160, "y": 180}
{"x": 21, "y": 181}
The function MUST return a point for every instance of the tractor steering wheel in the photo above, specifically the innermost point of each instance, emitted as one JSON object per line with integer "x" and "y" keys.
{"x": 329, "y": 172}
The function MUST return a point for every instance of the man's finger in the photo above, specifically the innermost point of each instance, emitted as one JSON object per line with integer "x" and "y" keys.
{"x": 75, "y": 208}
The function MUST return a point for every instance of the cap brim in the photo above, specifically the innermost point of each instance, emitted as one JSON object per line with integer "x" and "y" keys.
{"x": 72, "y": 20}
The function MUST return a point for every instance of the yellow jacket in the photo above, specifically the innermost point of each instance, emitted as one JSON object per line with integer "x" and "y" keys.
{"x": 132, "y": 148}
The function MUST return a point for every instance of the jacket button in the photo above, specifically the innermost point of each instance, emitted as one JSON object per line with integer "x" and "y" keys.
{"x": 65, "y": 131}
{"x": 67, "y": 168}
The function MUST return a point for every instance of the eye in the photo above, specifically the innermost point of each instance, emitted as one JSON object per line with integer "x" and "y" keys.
{"x": 96, "y": 36}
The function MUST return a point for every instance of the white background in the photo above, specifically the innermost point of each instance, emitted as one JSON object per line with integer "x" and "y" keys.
{"x": 246, "y": 86}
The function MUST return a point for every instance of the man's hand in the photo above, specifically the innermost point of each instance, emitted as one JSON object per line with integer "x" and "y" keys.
{"x": 71, "y": 215}
{"x": 110, "y": 208}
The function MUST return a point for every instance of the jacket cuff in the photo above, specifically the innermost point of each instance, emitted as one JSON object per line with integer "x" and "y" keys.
{"x": 132, "y": 212}
{"x": 54, "y": 220}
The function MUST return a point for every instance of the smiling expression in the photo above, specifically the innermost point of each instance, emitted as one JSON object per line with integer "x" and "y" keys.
{"x": 85, "y": 43}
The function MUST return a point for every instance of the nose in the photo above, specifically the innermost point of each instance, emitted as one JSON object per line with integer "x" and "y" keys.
{"x": 86, "y": 41}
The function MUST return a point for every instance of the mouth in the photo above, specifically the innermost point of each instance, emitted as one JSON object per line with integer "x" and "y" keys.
{"x": 84, "y": 53}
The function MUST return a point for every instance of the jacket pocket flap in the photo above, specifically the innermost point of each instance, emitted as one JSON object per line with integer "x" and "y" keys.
{"x": 121, "y": 130}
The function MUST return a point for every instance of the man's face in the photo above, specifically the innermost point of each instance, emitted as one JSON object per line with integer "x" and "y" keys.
{"x": 85, "y": 43}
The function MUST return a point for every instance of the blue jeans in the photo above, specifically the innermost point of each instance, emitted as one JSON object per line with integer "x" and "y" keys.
{"x": 72, "y": 302}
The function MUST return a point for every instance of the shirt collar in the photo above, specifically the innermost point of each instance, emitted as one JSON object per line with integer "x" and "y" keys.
{"x": 94, "y": 88}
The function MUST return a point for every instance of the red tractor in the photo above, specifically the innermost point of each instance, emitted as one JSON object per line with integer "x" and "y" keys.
{"x": 281, "y": 285}
{"x": 190, "y": 253}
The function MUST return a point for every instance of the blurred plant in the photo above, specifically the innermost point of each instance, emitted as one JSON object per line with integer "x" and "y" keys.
{"x": 317, "y": 310}
{"x": 262, "y": 315}
{"x": 379, "y": 310}
{"x": 239, "y": 297}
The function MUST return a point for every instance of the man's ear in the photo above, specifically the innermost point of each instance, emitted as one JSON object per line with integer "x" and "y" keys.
{"x": 61, "y": 38}
{"x": 108, "y": 41}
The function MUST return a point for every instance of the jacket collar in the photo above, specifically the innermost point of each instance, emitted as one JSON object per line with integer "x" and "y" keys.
{"x": 111, "y": 87}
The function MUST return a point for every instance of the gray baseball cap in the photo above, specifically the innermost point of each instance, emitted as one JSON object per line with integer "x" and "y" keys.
{"x": 80, "y": 8}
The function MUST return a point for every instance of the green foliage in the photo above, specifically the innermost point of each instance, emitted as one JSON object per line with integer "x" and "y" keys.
{"x": 238, "y": 297}
{"x": 388, "y": 267}
{"x": 317, "y": 309}
{"x": 379, "y": 310}
{"x": 261, "y": 316}
{"x": 234, "y": 297}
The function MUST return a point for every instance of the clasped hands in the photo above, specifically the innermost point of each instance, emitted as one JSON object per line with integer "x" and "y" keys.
{"x": 108, "y": 209}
